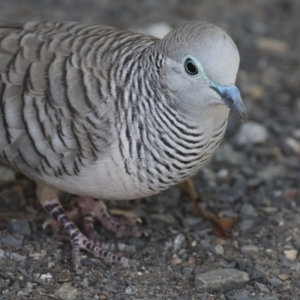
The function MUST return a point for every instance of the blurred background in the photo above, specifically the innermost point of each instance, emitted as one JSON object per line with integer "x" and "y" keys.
{"x": 254, "y": 176}
{"x": 266, "y": 32}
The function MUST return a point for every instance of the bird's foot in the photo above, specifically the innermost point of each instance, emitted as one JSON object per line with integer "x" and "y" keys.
{"x": 95, "y": 209}
{"x": 223, "y": 226}
{"x": 68, "y": 231}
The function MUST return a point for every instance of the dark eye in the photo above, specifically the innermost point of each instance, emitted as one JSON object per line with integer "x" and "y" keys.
{"x": 190, "y": 67}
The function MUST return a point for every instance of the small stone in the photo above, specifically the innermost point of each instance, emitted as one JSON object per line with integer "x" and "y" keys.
{"x": 191, "y": 222}
{"x": 178, "y": 241}
{"x": 20, "y": 227}
{"x": 167, "y": 218}
{"x": 10, "y": 241}
{"x": 291, "y": 194}
{"x": 191, "y": 261}
{"x": 242, "y": 295}
{"x": 187, "y": 270}
{"x": 272, "y": 45}
{"x": 221, "y": 280}
{"x": 17, "y": 257}
{"x": 66, "y": 292}
{"x": 2, "y": 253}
{"x": 275, "y": 282}
{"x": 249, "y": 248}
{"x": 255, "y": 274}
{"x": 261, "y": 287}
{"x": 46, "y": 276}
{"x": 176, "y": 261}
{"x": 252, "y": 133}
{"x": 291, "y": 254}
{"x": 256, "y": 92}
{"x": 222, "y": 175}
{"x": 203, "y": 296}
{"x": 270, "y": 210}
{"x": 225, "y": 153}
{"x": 293, "y": 144}
{"x": 248, "y": 210}
{"x": 219, "y": 249}
{"x": 128, "y": 290}
{"x": 240, "y": 264}
{"x": 246, "y": 224}
{"x": 284, "y": 277}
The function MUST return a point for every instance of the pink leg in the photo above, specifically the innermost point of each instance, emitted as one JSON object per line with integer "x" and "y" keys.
{"x": 48, "y": 198}
{"x": 92, "y": 209}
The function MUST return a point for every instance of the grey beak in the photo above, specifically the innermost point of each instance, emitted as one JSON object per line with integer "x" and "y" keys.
{"x": 232, "y": 98}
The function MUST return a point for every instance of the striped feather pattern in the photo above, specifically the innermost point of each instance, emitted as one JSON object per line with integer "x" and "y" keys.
{"x": 74, "y": 97}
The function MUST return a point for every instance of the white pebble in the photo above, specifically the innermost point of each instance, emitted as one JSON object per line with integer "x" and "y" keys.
{"x": 252, "y": 133}
{"x": 291, "y": 254}
{"x": 46, "y": 276}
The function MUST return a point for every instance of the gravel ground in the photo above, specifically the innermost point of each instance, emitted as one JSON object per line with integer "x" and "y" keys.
{"x": 254, "y": 176}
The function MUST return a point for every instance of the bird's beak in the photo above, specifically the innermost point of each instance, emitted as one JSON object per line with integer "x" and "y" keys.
{"x": 231, "y": 97}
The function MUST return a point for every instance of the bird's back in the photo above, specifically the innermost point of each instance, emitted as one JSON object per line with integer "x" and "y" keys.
{"x": 57, "y": 85}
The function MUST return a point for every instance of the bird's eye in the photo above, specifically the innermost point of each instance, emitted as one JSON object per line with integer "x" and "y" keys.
{"x": 190, "y": 67}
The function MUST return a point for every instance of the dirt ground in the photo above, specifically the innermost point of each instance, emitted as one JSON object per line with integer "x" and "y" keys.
{"x": 254, "y": 176}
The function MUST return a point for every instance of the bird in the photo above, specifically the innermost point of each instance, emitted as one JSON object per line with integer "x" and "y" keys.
{"x": 109, "y": 114}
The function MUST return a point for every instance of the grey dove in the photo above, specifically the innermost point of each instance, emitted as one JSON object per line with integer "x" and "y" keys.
{"x": 108, "y": 114}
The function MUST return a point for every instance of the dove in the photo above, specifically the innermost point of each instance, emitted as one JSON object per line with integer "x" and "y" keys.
{"x": 108, "y": 114}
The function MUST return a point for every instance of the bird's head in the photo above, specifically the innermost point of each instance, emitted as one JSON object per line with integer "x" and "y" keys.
{"x": 201, "y": 66}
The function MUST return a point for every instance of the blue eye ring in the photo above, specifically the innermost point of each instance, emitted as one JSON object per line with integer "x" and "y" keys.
{"x": 193, "y": 68}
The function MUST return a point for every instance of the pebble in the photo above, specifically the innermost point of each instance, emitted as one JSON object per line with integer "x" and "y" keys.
{"x": 242, "y": 295}
{"x": 246, "y": 225}
{"x": 128, "y": 290}
{"x": 2, "y": 253}
{"x": 225, "y": 153}
{"x": 270, "y": 210}
{"x": 222, "y": 175}
{"x": 219, "y": 249}
{"x": 10, "y": 241}
{"x": 293, "y": 144}
{"x": 66, "y": 292}
{"x": 187, "y": 270}
{"x": 291, "y": 254}
{"x": 272, "y": 45}
{"x": 221, "y": 280}
{"x": 248, "y": 210}
{"x": 46, "y": 276}
{"x": 275, "y": 282}
{"x": 284, "y": 277}
{"x": 17, "y": 257}
{"x": 19, "y": 227}
{"x": 261, "y": 287}
{"x": 167, "y": 218}
{"x": 191, "y": 222}
{"x": 252, "y": 133}
{"x": 255, "y": 274}
{"x": 249, "y": 248}
{"x": 178, "y": 241}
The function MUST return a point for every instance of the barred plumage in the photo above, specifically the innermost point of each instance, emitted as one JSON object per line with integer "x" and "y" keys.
{"x": 111, "y": 114}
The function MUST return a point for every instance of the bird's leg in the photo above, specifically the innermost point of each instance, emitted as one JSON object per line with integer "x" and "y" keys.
{"x": 49, "y": 199}
{"x": 222, "y": 226}
{"x": 92, "y": 209}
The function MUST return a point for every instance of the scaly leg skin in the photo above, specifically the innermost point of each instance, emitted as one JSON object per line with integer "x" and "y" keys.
{"x": 96, "y": 209}
{"x": 49, "y": 199}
